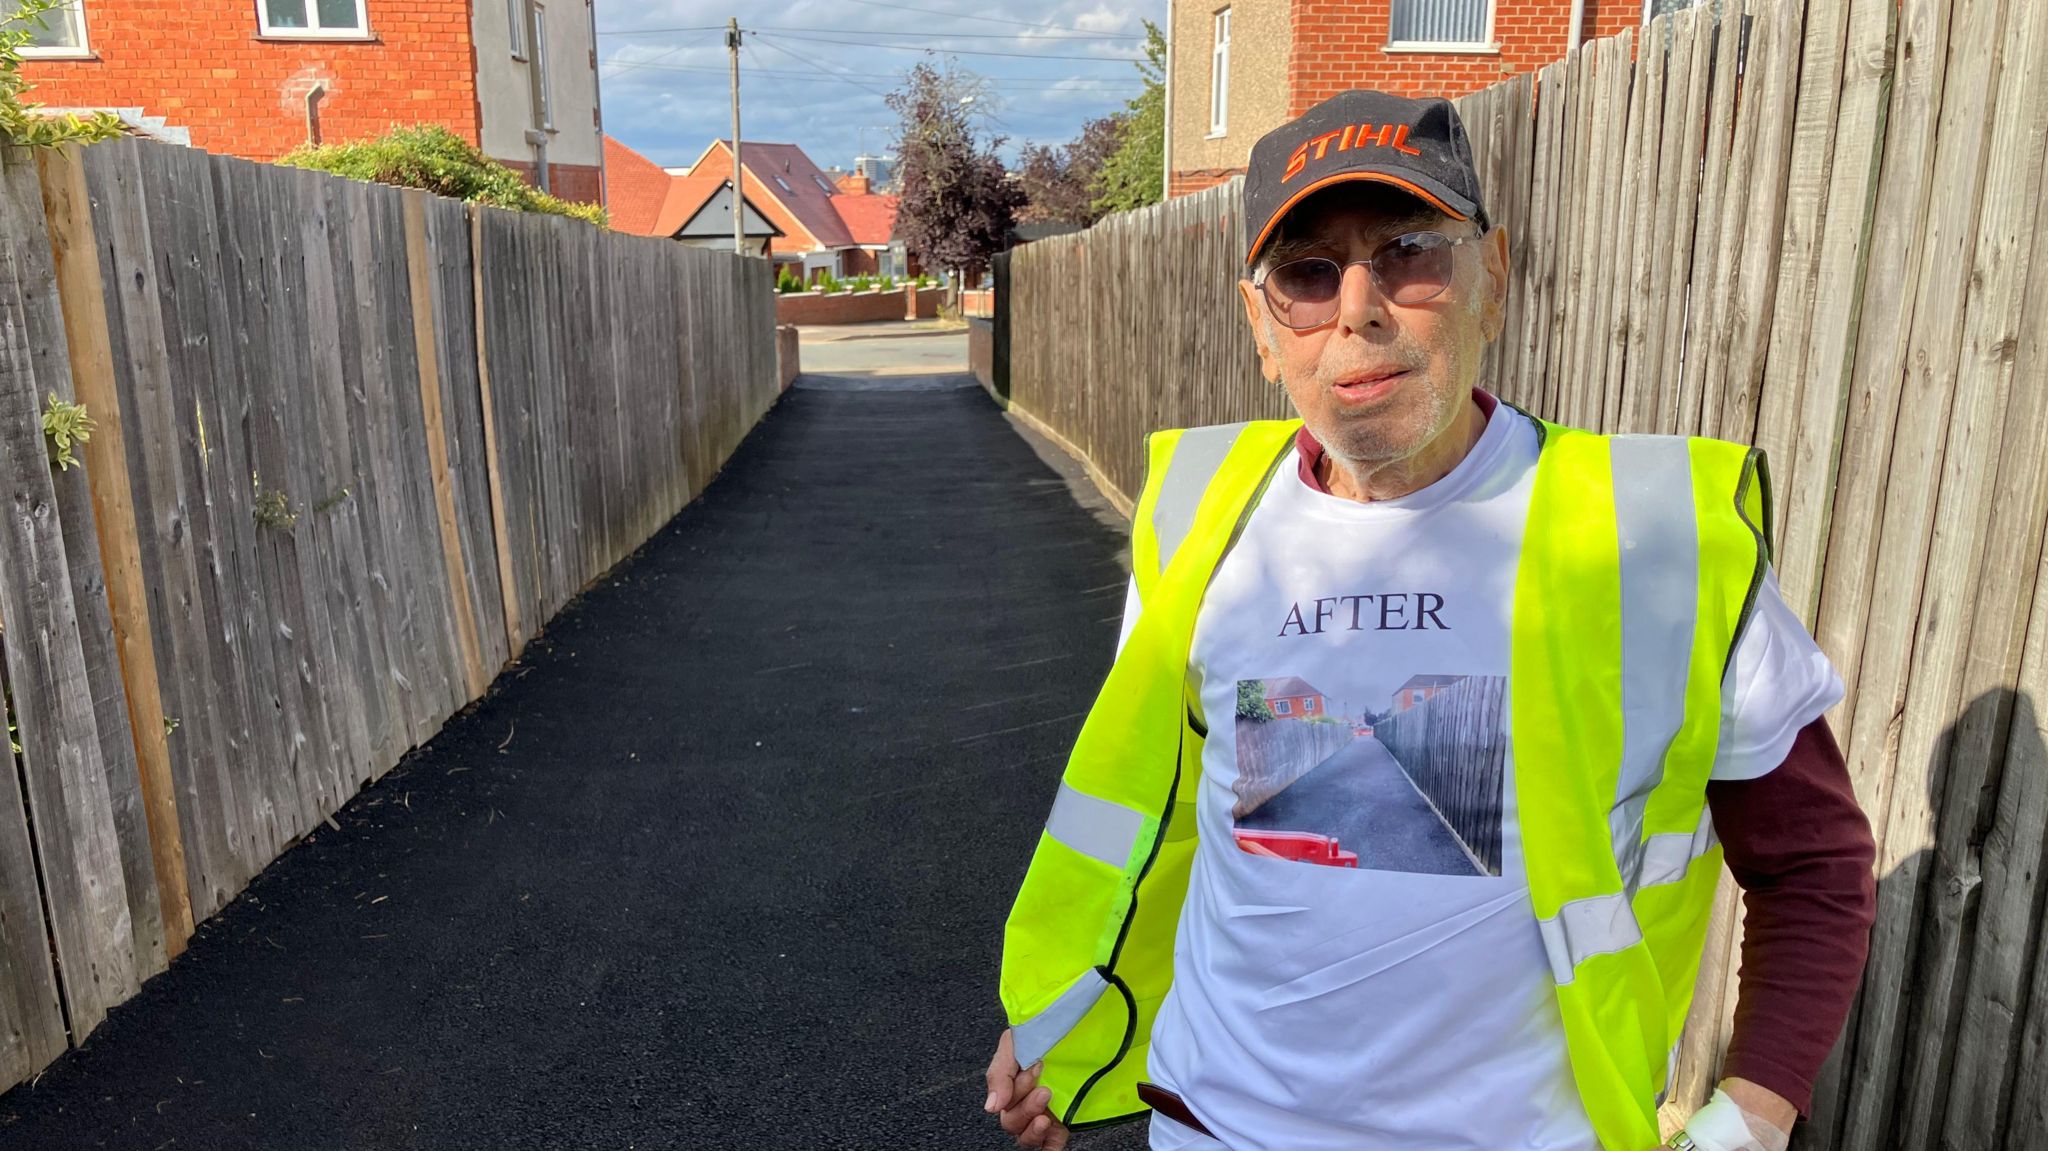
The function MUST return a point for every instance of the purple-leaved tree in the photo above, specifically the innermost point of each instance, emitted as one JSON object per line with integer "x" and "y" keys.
{"x": 956, "y": 203}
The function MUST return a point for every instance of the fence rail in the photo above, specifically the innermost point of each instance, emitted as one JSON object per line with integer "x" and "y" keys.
{"x": 1820, "y": 235}
{"x": 354, "y": 446}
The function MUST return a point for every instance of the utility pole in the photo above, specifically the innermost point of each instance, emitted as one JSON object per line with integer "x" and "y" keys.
{"x": 732, "y": 45}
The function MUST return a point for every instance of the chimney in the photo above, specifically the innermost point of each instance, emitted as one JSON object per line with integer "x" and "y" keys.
{"x": 853, "y": 184}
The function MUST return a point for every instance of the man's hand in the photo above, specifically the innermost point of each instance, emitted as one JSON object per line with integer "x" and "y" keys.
{"x": 1015, "y": 1096}
{"x": 1742, "y": 1116}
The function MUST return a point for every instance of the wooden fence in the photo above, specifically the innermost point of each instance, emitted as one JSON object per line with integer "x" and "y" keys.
{"x": 1454, "y": 748}
{"x": 353, "y": 448}
{"x": 1819, "y": 235}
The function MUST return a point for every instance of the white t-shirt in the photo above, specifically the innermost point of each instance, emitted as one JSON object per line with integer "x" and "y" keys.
{"x": 1358, "y": 964}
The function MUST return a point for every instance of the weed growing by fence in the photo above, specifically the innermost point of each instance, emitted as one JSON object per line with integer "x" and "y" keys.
{"x": 434, "y": 159}
{"x": 65, "y": 426}
{"x": 22, "y": 122}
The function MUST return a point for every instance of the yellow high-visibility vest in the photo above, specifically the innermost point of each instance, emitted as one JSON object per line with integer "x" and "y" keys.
{"x": 1642, "y": 553}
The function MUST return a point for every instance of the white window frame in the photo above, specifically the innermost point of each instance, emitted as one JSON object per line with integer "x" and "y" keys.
{"x": 517, "y": 17}
{"x": 540, "y": 55}
{"x": 361, "y": 30}
{"x": 1219, "y": 74}
{"x": 1488, "y": 46}
{"x": 80, "y": 51}
{"x": 1283, "y": 707}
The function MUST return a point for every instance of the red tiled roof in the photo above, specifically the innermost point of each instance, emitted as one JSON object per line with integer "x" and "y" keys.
{"x": 787, "y": 187}
{"x": 634, "y": 190}
{"x": 686, "y": 194}
{"x": 869, "y": 218}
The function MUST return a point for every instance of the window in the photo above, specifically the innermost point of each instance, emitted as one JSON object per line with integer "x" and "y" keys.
{"x": 1441, "y": 23}
{"x": 516, "y": 18}
{"x": 785, "y": 184}
{"x": 59, "y": 32}
{"x": 1308, "y": 705}
{"x": 312, "y": 18}
{"x": 1219, "y": 76}
{"x": 1282, "y": 707}
{"x": 545, "y": 101}
{"x": 822, "y": 185}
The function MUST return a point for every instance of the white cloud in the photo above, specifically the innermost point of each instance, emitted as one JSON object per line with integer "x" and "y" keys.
{"x": 665, "y": 93}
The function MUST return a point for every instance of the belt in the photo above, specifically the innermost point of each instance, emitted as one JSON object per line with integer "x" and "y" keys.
{"x": 1172, "y": 1106}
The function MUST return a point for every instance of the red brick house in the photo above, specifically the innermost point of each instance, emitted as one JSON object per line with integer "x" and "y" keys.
{"x": 1420, "y": 689}
{"x": 1238, "y": 69}
{"x": 256, "y": 78}
{"x": 1291, "y": 697}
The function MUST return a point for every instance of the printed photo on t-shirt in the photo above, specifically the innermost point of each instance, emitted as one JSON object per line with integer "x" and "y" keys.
{"x": 1412, "y": 782}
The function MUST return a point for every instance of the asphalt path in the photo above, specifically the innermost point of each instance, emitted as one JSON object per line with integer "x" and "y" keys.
{"x": 1361, "y": 797}
{"x": 722, "y": 862}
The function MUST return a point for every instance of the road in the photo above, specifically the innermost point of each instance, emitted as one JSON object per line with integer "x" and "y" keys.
{"x": 1361, "y": 797}
{"x": 723, "y": 861}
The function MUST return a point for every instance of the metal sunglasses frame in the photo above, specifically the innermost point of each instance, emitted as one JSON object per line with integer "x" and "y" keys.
{"x": 1264, "y": 277}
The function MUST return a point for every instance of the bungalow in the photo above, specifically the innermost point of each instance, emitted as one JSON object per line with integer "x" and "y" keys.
{"x": 644, "y": 200}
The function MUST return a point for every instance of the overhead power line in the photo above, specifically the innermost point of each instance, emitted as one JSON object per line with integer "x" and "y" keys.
{"x": 883, "y": 32}
{"x": 816, "y": 63}
{"x": 1079, "y": 83}
{"x": 988, "y": 19}
{"x": 958, "y": 51}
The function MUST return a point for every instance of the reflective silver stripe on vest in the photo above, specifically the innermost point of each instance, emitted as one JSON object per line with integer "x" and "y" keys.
{"x": 1094, "y": 827}
{"x": 1196, "y": 458}
{"x": 1031, "y": 1039}
{"x": 1666, "y": 858}
{"x": 1583, "y": 928}
{"x": 1660, "y": 548}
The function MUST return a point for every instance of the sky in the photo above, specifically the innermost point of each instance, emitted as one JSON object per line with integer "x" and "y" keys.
{"x": 813, "y": 72}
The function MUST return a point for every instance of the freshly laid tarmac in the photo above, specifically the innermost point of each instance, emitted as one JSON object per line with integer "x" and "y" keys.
{"x": 722, "y": 862}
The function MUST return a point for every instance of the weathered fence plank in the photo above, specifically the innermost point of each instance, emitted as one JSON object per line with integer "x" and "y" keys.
{"x": 31, "y": 1014}
{"x": 77, "y": 848}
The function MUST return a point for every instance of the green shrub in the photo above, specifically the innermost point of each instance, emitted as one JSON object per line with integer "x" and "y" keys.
{"x": 22, "y": 122}
{"x": 888, "y": 283}
{"x": 434, "y": 159}
{"x": 787, "y": 281}
{"x": 832, "y": 283}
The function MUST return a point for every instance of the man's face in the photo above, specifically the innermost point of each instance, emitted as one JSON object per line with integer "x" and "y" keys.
{"x": 1380, "y": 381}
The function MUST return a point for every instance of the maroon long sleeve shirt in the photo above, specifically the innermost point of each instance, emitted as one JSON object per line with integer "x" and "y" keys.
{"x": 1801, "y": 849}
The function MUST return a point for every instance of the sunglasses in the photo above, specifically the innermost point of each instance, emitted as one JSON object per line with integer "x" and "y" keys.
{"x": 1408, "y": 269}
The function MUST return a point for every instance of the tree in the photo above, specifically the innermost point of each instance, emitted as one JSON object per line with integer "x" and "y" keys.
{"x": 1133, "y": 175}
{"x": 956, "y": 203}
{"x": 1059, "y": 183}
{"x": 1251, "y": 701}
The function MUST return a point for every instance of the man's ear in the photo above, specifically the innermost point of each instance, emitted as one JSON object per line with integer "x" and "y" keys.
{"x": 1269, "y": 366}
{"x": 1494, "y": 249}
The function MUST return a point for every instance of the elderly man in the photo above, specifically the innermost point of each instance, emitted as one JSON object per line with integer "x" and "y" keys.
{"x": 1398, "y": 820}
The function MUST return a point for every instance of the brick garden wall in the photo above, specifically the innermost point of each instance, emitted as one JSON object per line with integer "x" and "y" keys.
{"x": 856, "y": 307}
{"x": 243, "y": 95}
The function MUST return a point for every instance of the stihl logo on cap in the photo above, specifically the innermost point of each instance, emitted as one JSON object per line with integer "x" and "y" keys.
{"x": 1393, "y": 136}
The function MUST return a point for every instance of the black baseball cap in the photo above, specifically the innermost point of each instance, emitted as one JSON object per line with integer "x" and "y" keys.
{"x": 1418, "y": 146}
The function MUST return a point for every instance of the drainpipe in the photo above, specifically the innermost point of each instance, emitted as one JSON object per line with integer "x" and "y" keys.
{"x": 1166, "y": 146}
{"x": 313, "y": 98}
{"x": 1578, "y": 24}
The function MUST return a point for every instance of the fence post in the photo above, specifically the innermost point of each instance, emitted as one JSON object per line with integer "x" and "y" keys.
{"x": 68, "y": 211}
{"x": 420, "y": 281}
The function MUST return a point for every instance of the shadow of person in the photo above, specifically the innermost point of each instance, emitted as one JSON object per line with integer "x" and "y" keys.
{"x": 1948, "y": 1043}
